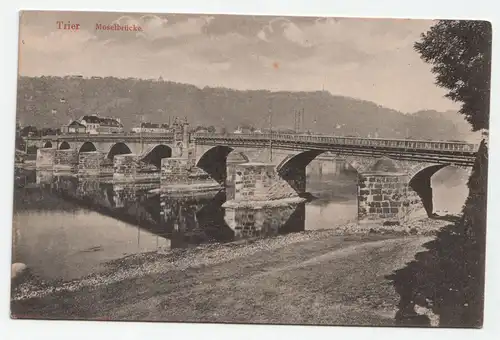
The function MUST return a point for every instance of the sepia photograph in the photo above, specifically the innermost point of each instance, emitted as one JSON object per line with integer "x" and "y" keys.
{"x": 251, "y": 169}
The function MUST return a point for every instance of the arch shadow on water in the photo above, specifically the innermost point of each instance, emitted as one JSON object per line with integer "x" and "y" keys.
{"x": 191, "y": 221}
{"x": 186, "y": 221}
{"x": 101, "y": 198}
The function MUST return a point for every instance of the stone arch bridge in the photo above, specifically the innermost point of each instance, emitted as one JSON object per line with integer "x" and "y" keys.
{"x": 393, "y": 175}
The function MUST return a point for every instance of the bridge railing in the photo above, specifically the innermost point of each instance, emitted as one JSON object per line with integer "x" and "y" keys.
{"x": 347, "y": 141}
{"x": 102, "y": 135}
{"x": 403, "y": 144}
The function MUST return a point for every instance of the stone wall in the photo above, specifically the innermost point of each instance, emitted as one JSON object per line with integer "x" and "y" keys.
{"x": 258, "y": 182}
{"x": 90, "y": 163}
{"x": 386, "y": 198}
{"x": 66, "y": 159}
{"x": 413, "y": 207}
{"x": 125, "y": 167}
{"x": 174, "y": 171}
{"x": 45, "y": 158}
{"x": 177, "y": 170}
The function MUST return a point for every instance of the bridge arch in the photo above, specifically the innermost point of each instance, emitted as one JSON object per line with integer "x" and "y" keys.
{"x": 48, "y": 144}
{"x": 118, "y": 149}
{"x": 64, "y": 146}
{"x": 420, "y": 181}
{"x": 214, "y": 161}
{"x": 292, "y": 168}
{"x": 87, "y": 147}
{"x": 156, "y": 153}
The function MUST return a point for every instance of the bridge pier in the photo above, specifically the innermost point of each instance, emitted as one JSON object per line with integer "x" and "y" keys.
{"x": 179, "y": 176}
{"x": 66, "y": 160}
{"x": 45, "y": 158}
{"x": 257, "y": 182}
{"x": 125, "y": 168}
{"x": 387, "y": 198}
{"x": 90, "y": 163}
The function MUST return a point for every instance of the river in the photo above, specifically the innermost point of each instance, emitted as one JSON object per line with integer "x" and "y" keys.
{"x": 66, "y": 228}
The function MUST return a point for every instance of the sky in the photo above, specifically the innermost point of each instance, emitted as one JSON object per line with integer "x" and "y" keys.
{"x": 370, "y": 59}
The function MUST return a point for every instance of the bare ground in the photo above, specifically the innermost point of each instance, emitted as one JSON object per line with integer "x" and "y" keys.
{"x": 306, "y": 278}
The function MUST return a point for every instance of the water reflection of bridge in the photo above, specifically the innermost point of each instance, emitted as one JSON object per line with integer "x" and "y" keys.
{"x": 185, "y": 220}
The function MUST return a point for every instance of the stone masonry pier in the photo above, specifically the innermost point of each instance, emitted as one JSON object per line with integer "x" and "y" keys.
{"x": 256, "y": 183}
{"x": 125, "y": 168}
{"x": 45, "y": 158}
{"x": 386, "y": 198}
{"x": 180, "y": 177}
{"x": 90, "y": 163}
{"x": 66, "y": 160}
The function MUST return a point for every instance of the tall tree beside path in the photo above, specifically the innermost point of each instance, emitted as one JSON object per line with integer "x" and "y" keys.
{"x": 460, "y": 54}
{"x": 448, "y": 277}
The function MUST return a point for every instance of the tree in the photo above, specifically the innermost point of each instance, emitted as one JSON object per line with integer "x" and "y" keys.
{"x": 460, "y": 52}
{"x": 27, "y": 130}
{"x": 449, "y": 276}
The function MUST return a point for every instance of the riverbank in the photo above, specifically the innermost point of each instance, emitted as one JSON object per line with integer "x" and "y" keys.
{"x": 318, "y": 277}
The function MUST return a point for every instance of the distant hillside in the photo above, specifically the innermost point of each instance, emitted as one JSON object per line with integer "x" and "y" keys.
{"x": 53, "y": 101}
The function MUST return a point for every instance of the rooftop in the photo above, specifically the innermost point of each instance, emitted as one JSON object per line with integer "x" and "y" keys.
{"x": 95, "y": 119}
{"x": 154, "y": 125}
{"x": 76, "y": 123}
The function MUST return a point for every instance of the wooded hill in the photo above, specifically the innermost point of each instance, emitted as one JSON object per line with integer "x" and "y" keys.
{"x": 53, "y": 101}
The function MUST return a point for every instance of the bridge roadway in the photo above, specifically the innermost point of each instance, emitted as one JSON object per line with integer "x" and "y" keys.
{"x": 449, "y": 152}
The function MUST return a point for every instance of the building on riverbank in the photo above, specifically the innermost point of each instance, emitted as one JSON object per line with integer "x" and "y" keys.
{"x": 94, "y": 124}
{"x": 147, "y": 127}
{"x": 74, "y": 127}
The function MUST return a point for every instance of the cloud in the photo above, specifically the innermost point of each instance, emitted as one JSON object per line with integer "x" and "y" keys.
{"x": 262, "y": 36}
{"x": 59, "y": 41}
{"x": 294, "y": 34}
{"x": 366, "y": 58}
{"x": 273, "y": 30}
{"x": 368, "y": 36}
{"x": 155, "y": 27}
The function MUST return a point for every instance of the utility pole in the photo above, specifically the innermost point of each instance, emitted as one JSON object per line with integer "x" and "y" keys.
{"x": 301, "y": 122}
{"x": 140, "y": 133}
{"x": 270, "y": 109}
{"x": 295, "y": 121}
